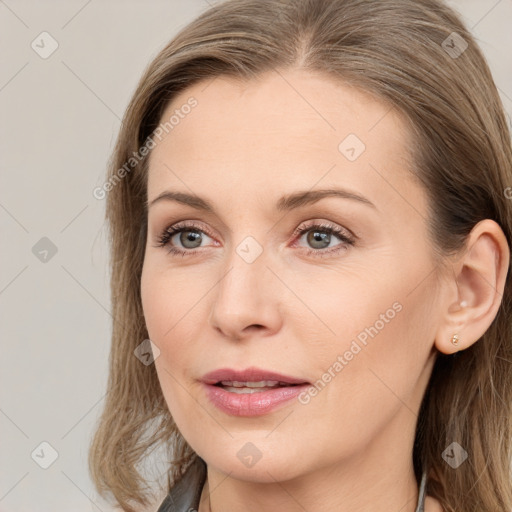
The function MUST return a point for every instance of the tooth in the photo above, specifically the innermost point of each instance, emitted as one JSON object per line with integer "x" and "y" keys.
{"x": 245, "y": 390}
{"x": 246, "y": 384}
{"x": 262, "y": 384}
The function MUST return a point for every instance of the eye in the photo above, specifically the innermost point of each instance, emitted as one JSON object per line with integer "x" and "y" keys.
{"x": 320, "y": 235}
{"x": 190, "y": 238}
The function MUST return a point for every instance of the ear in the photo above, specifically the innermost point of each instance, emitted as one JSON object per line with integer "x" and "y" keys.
{"x": 475, "y": 289}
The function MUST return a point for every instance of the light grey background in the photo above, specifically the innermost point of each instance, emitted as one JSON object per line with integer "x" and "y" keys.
{"x": 59, "y": 120}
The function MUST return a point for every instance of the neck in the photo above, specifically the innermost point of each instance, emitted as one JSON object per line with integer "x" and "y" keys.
{"x": 379, "y": 476}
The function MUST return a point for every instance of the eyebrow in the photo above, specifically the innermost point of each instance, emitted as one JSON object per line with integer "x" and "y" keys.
{"x": 285, "y": 203}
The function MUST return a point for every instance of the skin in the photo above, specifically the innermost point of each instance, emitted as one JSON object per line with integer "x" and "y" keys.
{"x": 242, "y": 147}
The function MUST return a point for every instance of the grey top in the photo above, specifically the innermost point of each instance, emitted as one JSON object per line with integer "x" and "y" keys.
{"x": 185, "y": 495}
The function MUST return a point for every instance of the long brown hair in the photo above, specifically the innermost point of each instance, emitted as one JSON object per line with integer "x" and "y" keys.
{"x": 406, "y": 54}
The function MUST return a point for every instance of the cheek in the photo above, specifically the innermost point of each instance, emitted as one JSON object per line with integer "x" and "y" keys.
{"x": 154, "y": 303}
{"x": 174, "y": 309}
{"x": 166, "y": 299}
{"x": 379, "y": 330}
{"x": 170, "y": 308}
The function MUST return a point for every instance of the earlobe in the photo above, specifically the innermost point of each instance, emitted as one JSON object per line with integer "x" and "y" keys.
{"x": 478, "y": 282}
{"x": 450, "y": 343}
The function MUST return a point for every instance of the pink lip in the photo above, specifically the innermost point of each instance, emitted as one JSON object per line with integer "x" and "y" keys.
{"x": 250, "y": 404}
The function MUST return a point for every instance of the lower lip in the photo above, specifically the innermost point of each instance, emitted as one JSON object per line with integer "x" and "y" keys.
{"x": 252, "y": 404}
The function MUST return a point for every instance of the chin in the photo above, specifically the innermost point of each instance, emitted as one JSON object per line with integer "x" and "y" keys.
{"x": 266, "y": 466}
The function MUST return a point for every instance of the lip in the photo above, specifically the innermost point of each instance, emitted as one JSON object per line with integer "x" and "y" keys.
{"x": 251, "y": 404}
{"x": 250, "y": 374}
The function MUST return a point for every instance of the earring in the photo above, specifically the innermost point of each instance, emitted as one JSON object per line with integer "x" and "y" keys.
{"x": 455, "y": 340}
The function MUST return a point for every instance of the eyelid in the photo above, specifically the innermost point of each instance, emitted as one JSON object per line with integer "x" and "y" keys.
{"x": 175, "y": 228}
{"x": 325, "y": 224}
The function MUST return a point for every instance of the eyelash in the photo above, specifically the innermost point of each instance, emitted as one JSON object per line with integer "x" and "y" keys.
{"x": 168, "y": 233}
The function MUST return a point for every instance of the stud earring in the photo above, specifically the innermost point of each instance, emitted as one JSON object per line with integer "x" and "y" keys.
{"x": 455, "y": 339}
{"x": 463, "y": 304}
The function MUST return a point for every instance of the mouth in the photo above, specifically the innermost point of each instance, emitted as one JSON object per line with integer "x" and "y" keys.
{"x": 250, "y": 377}
{"x": 251, "y": 392}
{"x": 250, "y": 386}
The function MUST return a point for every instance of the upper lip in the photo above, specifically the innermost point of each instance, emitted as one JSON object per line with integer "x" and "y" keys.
{"x": 252, "y": 374}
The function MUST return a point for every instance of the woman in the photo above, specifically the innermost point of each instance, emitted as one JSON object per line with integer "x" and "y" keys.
{"x": 310, "y": 220}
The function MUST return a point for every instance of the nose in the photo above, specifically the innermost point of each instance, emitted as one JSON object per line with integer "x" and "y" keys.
{"x": 247, "y": 300}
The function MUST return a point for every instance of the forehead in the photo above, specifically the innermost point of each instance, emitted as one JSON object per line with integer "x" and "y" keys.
{"x": 285, "y": 130}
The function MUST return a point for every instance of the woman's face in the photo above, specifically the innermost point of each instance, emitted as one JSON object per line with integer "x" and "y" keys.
{"x": 351, "y": 308}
